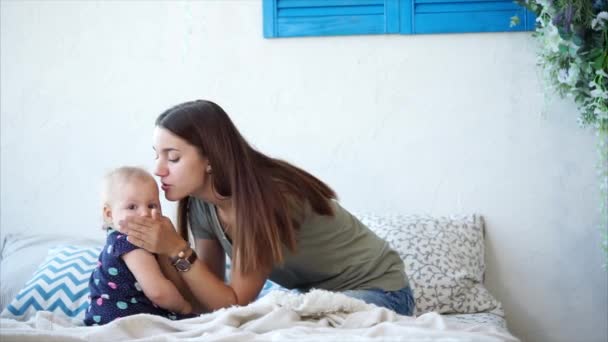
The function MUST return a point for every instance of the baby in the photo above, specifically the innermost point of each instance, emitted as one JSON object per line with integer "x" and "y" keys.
{"x": 128, "y": 279}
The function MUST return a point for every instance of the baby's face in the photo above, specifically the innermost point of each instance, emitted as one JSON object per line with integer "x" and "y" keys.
{"x": 134, "y": 198}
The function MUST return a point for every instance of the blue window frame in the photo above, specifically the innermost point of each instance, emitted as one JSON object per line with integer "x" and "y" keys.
{"x": 297, "y": 18}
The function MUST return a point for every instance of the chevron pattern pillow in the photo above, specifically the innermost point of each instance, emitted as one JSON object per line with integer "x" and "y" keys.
{"x": 60, "y": 285}
{"x": 269, "y": 286}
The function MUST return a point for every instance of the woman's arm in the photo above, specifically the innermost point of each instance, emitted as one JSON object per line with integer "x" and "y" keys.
{"x": 171, "y": 273}
{"x": 157, "y": 235}
{"x": 155, "y": 286}
{"x": 212, "y": 254}
{"x": 208, "y": 251}
{"x": 214, "y": 294}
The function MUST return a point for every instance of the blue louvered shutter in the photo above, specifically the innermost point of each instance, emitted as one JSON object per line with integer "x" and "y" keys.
{"x": 457, "y": 16}
{"x": 292, "y": 18}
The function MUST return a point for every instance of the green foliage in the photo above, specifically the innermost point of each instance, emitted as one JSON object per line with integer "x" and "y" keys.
{"x": 573, "y": 55}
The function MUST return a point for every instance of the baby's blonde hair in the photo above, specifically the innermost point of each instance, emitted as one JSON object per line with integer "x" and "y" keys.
{"x": 113, "y": 179}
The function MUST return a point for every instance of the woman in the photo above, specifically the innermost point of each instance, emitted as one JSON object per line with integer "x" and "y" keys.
{"x": 273, "y": 219}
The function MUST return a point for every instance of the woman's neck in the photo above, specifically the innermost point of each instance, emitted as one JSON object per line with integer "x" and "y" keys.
{"x": 224, "y": 209}
{"x": 225, "y": 205}
{"x": 209, "y": 195}
{"x": 227, "y": 219}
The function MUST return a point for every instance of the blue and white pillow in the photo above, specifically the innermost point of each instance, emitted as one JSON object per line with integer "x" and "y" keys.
{"x": 60, "y": 284}
{"x": 269, "y": 285}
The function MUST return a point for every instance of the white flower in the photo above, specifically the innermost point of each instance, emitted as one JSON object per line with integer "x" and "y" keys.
{"x": 552, "y": 38}
{"x": 592, "y": 85}
{"x": 542, "y": 3}
{"x": 599, "y": 21}
{"x": 599, "y": 93}
{"x": 562, "y": 76}
{"x": 573, "y": 74}
{"x": 569, "y": 76}
{"x": 601, "y": 72}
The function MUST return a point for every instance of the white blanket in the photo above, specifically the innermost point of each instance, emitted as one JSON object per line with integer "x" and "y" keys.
{"x": 279, "y": 316}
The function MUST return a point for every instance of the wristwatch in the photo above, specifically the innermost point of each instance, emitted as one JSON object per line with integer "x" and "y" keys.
{"x": 181, "y": 263}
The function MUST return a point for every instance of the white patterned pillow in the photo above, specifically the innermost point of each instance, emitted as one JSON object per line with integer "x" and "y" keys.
{"x": 60, "y": 284}
{"x": 444, "y": 260}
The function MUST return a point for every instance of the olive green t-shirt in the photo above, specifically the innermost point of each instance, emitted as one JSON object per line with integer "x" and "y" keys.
{"x": 332, "y": 252}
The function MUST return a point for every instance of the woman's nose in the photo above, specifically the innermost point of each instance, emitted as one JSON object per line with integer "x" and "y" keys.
{"x": 160, "y": 169}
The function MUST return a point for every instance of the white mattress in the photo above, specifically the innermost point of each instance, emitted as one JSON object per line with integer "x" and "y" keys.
{"x": 280, "y": 316}
{"x": 20, "y": 255}
{"x": 485, "y": 318}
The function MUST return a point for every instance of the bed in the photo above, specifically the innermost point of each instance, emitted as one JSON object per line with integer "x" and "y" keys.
{"x": 44, "y": 294}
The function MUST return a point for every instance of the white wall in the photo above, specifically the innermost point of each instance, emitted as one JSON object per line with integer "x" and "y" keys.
{"x": 415, "y": 124}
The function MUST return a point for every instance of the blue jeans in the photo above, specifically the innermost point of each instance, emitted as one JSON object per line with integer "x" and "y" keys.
{"x": 400, "y": 301}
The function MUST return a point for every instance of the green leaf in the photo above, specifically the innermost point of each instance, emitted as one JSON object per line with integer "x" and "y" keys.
{"x": 514, "y": 21}
{"x": 598, "y": 62}
{"x": 563, "y": 48}
{"x": 594, "y": 53}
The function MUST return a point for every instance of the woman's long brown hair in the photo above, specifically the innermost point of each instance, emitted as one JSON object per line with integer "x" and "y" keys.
{"x": 264, "y": 190}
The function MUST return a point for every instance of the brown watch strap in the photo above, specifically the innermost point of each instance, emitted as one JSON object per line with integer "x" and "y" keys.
{"x": 181, "y": 254}
{"x": 192, "y": 258}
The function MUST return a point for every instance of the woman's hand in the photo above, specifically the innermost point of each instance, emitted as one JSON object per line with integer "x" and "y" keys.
{"x": 154, "y": 234}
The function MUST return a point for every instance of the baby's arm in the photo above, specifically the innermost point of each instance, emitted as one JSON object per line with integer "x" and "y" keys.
{"x": 156, "y": 287}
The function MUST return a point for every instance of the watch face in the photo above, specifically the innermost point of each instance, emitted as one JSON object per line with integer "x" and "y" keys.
{"x": 182, "y": 265}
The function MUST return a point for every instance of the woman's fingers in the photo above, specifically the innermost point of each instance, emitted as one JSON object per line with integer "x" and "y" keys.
{"x": 143, "y": 233}
{"x": 135, "y": 241}
{"x": 128, "y": 227}
{"x": 136, "y": 234}
{"x": 141, "y": 220}
{"x": 155, "y": 214}
{"x": 143, "y": 239}
{"x": 154, "y": 234}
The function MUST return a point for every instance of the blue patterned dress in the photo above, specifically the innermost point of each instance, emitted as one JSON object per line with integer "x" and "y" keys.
{"x": 114, "y": 290}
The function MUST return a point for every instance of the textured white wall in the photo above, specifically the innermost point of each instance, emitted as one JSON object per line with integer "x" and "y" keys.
{"x": 415, "y": 124}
